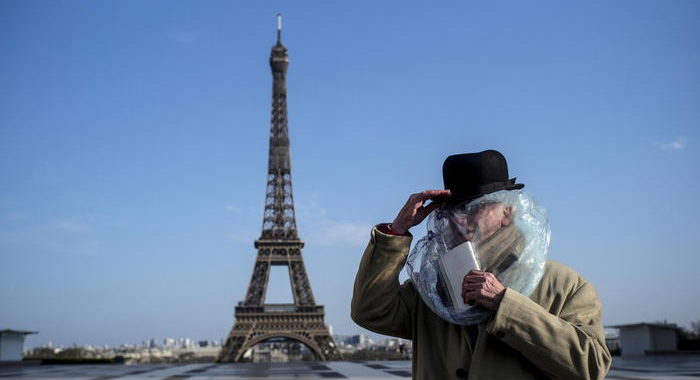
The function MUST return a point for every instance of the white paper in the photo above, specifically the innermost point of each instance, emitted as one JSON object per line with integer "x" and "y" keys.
{"x": 454, "y": 265}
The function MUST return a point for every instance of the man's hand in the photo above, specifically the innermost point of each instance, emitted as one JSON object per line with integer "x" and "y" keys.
{"x": 482, "y": 288}
{"x": 414, "y": 211}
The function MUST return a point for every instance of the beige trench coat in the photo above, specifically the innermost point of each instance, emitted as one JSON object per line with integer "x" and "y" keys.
{"x": 554, "y": 333}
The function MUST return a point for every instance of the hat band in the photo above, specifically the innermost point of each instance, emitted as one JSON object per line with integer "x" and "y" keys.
{"x": 495, "y": 186}
{"x": 480, "y": 190}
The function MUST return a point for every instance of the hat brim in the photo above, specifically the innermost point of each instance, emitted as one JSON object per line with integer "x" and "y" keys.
{"x": 485, "y": 189}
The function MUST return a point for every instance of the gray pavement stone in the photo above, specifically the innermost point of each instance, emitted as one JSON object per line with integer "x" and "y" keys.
{"x": 679, "y": 367}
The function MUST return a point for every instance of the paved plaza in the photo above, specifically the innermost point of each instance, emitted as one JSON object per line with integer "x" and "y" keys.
{"x": 659, "y": 368}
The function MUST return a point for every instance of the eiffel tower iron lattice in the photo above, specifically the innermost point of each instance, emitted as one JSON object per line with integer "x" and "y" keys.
{"x": 279, "y": 244}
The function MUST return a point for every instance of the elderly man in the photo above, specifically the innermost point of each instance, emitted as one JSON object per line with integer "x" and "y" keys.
{"x": 555, "y": 332}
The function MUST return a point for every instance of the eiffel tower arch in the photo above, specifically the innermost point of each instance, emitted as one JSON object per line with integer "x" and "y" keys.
{"x": 279, "y": 244}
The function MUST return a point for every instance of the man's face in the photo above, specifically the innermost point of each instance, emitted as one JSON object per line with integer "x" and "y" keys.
{"x": 481, "y": 221}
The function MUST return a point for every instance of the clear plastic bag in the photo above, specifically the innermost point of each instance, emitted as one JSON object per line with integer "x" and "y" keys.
{"x": 510, "y": 235}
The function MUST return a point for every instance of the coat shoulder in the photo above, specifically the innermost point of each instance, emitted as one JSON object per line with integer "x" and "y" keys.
{"x": 561, "y": 277}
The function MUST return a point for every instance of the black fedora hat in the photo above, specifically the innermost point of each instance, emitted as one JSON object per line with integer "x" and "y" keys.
{"x": 471, "y": 175}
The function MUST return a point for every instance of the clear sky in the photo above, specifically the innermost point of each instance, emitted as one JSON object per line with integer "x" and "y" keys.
{"x": 133, "y": 148}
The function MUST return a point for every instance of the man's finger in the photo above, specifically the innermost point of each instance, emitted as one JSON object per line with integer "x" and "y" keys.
{"x": 432, "y": 206}
{"x": 468, "y": 278}
{"x": 427, "y": 194}
{"x": 471, "y": 286}
{"x": 470, "y": 296}
{"x": 474, "y": 279}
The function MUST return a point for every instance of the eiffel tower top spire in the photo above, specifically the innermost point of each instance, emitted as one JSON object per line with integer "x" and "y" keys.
{"x": 279, "y": 29}
{"x": 279, "y": 222}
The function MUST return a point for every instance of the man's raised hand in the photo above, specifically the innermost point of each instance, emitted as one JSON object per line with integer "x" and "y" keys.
{"x": 415, "y": 209}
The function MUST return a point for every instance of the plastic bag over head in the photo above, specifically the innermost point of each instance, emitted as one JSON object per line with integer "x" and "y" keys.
{"x": 505, "y": 233}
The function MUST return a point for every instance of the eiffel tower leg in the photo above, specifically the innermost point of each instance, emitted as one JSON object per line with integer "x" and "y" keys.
{"x": 237, "y": 338}
{"x": 230, "y": 350}
{"x": 258, "y": 283}
{"x": 327, "y": 346}
{"x": 300, "y": 283}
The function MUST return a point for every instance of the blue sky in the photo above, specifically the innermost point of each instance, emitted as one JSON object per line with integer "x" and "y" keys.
{"x": 133, "y": 148}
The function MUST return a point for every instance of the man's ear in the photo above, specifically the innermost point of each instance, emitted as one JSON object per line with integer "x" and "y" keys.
{"x": 507, "y": 216}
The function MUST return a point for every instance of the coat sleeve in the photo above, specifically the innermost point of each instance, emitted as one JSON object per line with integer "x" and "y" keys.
{"x": 570, "y": 345}
{"x": 379, "y": 303}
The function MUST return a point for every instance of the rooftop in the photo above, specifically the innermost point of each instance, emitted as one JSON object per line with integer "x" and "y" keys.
{"x": 10, "y": 331}
{"x": 642, "y": 324}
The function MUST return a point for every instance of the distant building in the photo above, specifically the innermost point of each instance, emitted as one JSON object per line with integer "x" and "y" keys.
{"x": 12, "y": 344}
{"x": 645, "y": 338}
{"x": 612, "y": 340}
{"x": 359, "y": 340}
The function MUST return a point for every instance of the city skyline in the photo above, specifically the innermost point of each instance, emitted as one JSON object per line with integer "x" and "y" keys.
{"x": 134, "y": 148}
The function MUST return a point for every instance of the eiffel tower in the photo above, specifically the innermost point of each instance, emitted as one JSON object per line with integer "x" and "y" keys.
{"x": 279, "y": 244}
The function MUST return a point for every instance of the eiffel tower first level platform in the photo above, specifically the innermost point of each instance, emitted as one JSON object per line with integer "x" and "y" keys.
{"x": 256, "y": 324}
{"x": 279, "y": 244}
